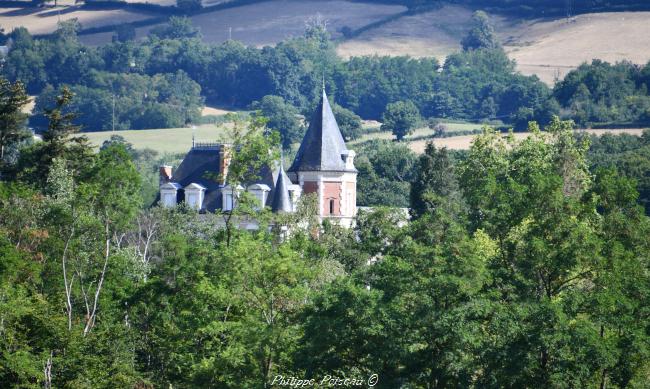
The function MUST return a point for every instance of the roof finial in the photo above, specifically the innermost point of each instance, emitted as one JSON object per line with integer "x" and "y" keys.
{"x": 281, "y": 159}
{"x": 323, "y": 81}
{"x": 193, "y": 131}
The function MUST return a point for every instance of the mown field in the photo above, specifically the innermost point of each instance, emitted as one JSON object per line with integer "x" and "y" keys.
{"x": 548, "y": 48}
{"x": 167, "y": 140}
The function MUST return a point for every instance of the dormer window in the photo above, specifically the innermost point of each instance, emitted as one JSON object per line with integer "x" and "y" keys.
{"x": 229, "y": 196}
{"x": 168, "y": 194}
{"x": 261, "y": 192}
{"x": 294, "y": 195}
{"x": 194, "y": 194}
{"x": 348, "y": 159}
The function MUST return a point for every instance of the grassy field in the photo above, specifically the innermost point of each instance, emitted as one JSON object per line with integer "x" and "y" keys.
{"x": 179, "y": 140}
{"x": 270, "y": 22}
{"x": 550, "y": 48}
{"x": 44, "y": 20}
{"x": 418, "y": 133}
{"x": 170, "y": 140}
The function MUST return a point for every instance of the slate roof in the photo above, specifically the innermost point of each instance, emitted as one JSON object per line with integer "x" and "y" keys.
{"x": 201, "y": 166}
{"x": 281, "y": 203}
{"x": 198, "y": 164}
{"x": 323, "y": 144}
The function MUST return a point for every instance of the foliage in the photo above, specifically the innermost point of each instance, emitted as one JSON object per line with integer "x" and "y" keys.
{"x": 400, "y": 118}
{"x": 60, "y": 141}
{"x": 251, "y": 150}
{"x": 602, "y": 93}
{"x": 176, "y": 28}
{"x": 385, "y": 173}
{"x": 474, "y": 85}
{"x": 629, "y": 155}
{"x": 480, "y": 84}
{"x": 349, "y": 122}
{"x": 520, "y": 268}
{"x": 482, "y": 35}
{"x": 12, "y": 120}
{"x": 435, "y": 182}
{"x": 129, "y": 101}
{"x": 524, "y": 264}
{"x": 124, "y": 33}
{"x": 282, "y": 118}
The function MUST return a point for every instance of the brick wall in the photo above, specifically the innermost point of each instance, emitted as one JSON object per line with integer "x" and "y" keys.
{"x": 331, "y": 191}
{"x": 310, "y": 187}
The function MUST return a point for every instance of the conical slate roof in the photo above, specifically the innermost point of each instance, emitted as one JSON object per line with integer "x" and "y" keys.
{"x": 323, "y": 144}
{"x": 281, "y": 202}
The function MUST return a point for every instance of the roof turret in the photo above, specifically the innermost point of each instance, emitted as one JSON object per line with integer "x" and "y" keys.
{"x": 281, "y": 201}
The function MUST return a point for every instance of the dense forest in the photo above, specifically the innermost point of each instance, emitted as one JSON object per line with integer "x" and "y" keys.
{"x": 524, "y": 264}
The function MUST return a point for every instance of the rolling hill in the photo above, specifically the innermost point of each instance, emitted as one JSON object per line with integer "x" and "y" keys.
{"x": 546, "y": 47}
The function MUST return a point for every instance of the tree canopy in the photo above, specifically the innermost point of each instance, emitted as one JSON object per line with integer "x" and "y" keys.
{"x": 400, "y": 118}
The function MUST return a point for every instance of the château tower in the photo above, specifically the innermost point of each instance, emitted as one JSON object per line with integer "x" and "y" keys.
{"x": 325, "y": 166}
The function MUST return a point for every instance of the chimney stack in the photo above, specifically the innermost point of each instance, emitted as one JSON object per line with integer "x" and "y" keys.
{"x": 224, "y": 163}
{"x": 165, "y": 173}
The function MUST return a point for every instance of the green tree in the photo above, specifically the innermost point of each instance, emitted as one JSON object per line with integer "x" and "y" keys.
{"x": 12, "y": 120}
{"x": 251, "y": 150}
{"x": 348, "y": 121}
{"x": 533, "y": 198}
{"x": 386, "y": 170}
{"x": 282, "y": 117}
{"x": 435, "y": 183}
{"x": 481, "y": 35}
{"x": 59, "y": 142}
{"x": 400, "y": 118}
{"x": 177, "y": 27}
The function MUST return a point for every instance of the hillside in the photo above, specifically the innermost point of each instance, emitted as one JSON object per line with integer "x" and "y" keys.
{"x": 548, "y": 48}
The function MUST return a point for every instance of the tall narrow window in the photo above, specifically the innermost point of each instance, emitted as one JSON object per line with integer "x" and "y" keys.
{"x": 169, "y": 200}
{"x": 192, "y": 200}
{"x": 331, "y": 206}
{"x": 228, "y": 203}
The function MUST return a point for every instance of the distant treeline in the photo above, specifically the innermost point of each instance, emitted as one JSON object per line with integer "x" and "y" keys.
{"x": 475, "y": 85}
{"x": 163, "y": 80}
